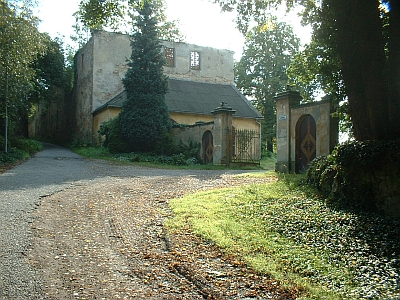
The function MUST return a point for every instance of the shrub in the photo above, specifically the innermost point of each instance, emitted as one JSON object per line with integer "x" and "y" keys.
{"x": 190, "y": 150}
{"x": 111, "y": 130}
{"x": 13, "y": 155}
{"x": 353, "y": 174}
{"x": 26, "y": 145}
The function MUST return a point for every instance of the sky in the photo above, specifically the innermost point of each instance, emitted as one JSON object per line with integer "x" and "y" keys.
{"x": 200, "y": 21}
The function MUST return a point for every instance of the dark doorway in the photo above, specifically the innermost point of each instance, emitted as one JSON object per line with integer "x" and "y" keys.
{"x": 207, "y": 143}
{"x": 305, "y": 143}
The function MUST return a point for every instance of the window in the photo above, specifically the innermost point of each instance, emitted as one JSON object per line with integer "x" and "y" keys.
{"x": 195, "y": 60}
{"x": 170, "y": 57}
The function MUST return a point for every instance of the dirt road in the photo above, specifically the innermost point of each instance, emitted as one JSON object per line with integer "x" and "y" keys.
{"x": 99, "y": 234}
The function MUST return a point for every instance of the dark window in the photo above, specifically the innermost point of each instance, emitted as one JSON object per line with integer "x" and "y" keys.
{"x": 170, "y": 57}
{"x": 195, "y": 60}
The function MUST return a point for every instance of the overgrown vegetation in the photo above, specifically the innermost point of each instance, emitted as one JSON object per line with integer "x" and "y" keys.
{"x": 284, "y": 230}
{"x": 18, "y": 149}
{"x": 177, "y": 155}
{"x": 359, "y": 175}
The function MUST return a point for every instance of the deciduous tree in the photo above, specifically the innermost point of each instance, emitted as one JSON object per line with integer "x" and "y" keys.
{"x": 261, "y": 72}
{"x": 114, "y": 15}
{"x": 20, "y": 45}
{"x": 368, "y": 52}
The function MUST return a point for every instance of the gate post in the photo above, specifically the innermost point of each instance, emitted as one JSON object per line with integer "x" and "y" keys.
{"x": 284, "y": 161}
{"x": 223, "y": 134}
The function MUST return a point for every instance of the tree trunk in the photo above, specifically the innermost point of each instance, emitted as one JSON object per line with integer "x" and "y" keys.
{"x": 360, "y": 46}
{"x": 394, "y": 67}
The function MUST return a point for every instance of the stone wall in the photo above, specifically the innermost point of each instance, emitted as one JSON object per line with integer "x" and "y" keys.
{"x": 192, "y": 133}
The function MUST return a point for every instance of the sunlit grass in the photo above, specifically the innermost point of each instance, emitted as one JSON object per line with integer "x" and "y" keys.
{"x": 149, "y": 160}
{"x": 283, "y": 230}
{"x": 93, "y": 152}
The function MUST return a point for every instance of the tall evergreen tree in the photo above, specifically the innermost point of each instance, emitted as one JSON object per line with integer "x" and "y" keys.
{"x": 144, "y": 118}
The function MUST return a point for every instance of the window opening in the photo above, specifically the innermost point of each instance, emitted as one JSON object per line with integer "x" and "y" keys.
{"x": 170, "y": 57}
{"x": 195, "y": 60}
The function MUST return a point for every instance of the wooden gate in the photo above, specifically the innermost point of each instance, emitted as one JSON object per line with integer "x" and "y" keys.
{"x": 305, "y": 143}
{"x": 207, "y": 143}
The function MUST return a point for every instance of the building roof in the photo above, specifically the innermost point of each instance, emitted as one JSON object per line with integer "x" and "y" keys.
{"x": 194, "y": 97}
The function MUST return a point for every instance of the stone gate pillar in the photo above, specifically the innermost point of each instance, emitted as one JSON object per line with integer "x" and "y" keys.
{"x": 223, "y": 144}
{"x": 284, "y": 101}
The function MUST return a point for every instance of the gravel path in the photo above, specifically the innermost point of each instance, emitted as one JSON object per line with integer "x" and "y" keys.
{"x": 85, "y": 229}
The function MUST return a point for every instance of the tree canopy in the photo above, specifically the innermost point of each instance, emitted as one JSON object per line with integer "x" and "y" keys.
{"x": 119, "y": 15}
{"x": 261, "y": 72}
{"x": 20, "y": 45}
{"x": 363, "y": 38}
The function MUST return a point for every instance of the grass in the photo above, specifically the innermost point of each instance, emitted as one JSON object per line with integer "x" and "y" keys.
{"x": 284, "y": 230}
{"x": 93, "y": 152}
{"x": 173, "y": 162}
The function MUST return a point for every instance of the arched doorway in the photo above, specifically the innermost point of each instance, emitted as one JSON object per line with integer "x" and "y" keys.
{"x": 306, "y": 142}
{"x": 207, "y": 143}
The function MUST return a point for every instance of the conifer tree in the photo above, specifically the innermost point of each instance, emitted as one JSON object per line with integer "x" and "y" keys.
{"x": 144, "y": 118}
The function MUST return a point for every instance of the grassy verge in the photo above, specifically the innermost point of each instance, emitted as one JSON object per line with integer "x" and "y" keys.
{"x": 160, "y": 161}
{"x": 282, "y": 229}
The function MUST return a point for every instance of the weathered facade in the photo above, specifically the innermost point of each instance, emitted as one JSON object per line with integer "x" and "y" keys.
{"x": 304, "y": 131}
{"x": 201, "y": 78}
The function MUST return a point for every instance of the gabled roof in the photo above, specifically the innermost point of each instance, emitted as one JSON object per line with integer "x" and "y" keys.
{"x": 194, "y": 97}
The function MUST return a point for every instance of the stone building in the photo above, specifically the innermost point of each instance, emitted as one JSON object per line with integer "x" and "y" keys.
{"x": 201, "y": 78}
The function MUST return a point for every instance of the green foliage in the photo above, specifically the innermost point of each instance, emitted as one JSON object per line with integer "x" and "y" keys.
{"x": 12, "y": 156}
{"x": 27, "y": 145}
{"x": 283, "y": 230}
{"x": 261, "y": 72}
{"x": 144, "y": 118}
{"x": 268, "y": 160}
{"x": 18, "y": 150}
{"x": 92, "y": 152}
{"x": 338, "y": 61}
{"x": 174, "y": 159}
{"x": 95, "y": 14}
{"x": 113, "y": 15}
{"x": 20, "y": 44}
{"x": 113, "y": 141}
{"x": 52, "y": 75}
{"x": 166, "y": 151}
{"x": 190, "y": 150}
{"x": 351, "y": 175}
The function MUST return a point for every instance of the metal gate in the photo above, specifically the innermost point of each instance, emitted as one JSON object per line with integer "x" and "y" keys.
{"x": 246, "y": 146}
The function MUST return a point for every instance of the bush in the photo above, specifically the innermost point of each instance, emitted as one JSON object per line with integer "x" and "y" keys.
{"x": 165, "y": 145}
{"x": 190, "y": 150}
{"x": 113, "y": 136}
{"x": 175, "y": 159}
{"x": 13, "y": 155}
{"x": 26, "y": 145}
{"x": 353, "y": 175}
